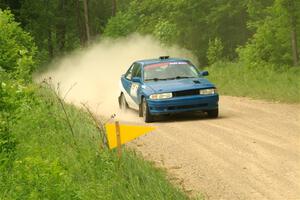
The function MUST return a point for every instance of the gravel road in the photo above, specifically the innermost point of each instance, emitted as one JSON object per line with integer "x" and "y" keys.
{"x": 251, "y": 152}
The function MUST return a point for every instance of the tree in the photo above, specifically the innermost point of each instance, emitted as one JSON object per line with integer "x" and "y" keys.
{"x": 53, "y": 25}
{"x": 190, "y": 24}
{"x": 59, "y": 26}
{"x": 275, "y": 39}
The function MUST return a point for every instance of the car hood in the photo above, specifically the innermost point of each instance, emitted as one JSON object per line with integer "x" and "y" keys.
{"x": 179, "y": 85}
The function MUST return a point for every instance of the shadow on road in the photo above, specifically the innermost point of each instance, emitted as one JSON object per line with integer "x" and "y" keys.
{"x": 131, "y": 116}
{"x": 181, "y": 117}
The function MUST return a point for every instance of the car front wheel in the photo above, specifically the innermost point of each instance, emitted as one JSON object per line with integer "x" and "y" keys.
{"x": 145, "y": 111}
{"x": 213, "y": 113}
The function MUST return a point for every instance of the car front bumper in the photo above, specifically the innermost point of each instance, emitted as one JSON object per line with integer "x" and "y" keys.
{"x": 183, "y": 104}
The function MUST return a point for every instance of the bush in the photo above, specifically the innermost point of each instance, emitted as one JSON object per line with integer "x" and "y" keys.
{"x": 14, "y": 99}
{"x": 17, "y": 49}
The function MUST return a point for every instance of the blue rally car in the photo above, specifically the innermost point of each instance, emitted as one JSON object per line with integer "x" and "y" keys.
{"x": 167, "y": 85}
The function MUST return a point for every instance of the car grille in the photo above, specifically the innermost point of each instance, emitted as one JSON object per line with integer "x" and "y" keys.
{"x": 180, "y": 107}
{"x": 187, "y": 106}
{"x": 186, "y": 93}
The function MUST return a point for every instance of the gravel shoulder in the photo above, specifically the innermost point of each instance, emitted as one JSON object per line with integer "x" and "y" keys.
{"x": 251, "y": 152}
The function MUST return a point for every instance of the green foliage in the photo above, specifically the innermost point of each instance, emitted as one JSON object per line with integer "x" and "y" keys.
{"x": 121, "y": 25}
{"x": 190, "y": 24}
{"x": 17, "y": 49}
{"x": 50, "y": 162}
{"x": 53, "y": 31}
{"x": 271, "y": 44}
{"x": 165, "y": 31}
{"x": 257, "y": 32}
{"x": 14, "y": 100}
{"x": 58, "y": 26}
{"x": 39, "y": 178}
{"x": 265, "y": 82}
{"x": 215, "y": 51}
{"x": 7, "y": 142}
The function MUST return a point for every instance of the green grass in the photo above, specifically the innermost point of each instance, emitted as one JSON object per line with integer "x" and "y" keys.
{"x": 261, "y": 83}
{"x": 50, "y": 163}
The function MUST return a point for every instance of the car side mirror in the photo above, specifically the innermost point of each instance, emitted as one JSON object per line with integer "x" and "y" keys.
{"x": 204, "y": 73}
{"x": 136, "y": 80}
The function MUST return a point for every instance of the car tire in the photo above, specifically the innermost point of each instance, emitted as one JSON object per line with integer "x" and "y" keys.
{"x": 145, "y": 111}
{"x": 141, "y": 109}
{"x": 213, "y": 113}
{"x": 123, "y": 104}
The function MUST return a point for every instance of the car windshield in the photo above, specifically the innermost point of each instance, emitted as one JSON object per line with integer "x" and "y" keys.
{"x": 169, "y": 71}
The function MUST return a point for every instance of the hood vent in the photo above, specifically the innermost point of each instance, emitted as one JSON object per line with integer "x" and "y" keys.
{"x": 196, "y": 82}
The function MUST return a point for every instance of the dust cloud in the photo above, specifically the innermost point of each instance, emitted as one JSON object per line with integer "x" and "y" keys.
{"x": 92, "y": 76}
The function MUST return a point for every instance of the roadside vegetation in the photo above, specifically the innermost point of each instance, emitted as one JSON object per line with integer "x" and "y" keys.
{"x": 235, "y": 79}
{"x": 42, "y": 156}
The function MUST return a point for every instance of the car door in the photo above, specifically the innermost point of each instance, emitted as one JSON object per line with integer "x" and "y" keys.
{"x": 136, "y": 87}
{"x": 131, "y": 89}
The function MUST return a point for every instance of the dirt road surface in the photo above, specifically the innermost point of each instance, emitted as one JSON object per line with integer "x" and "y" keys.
{"x": 251, "y": 152}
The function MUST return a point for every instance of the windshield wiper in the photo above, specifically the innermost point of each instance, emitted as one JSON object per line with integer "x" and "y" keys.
{"x": 171, "y": 78}
{"x": 183, "y": 77}
{"x": 155, "y": 79}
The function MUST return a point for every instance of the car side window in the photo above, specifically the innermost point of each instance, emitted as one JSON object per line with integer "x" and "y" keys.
{"x": 128, "y": 74}
{"x": 136, "y": 72}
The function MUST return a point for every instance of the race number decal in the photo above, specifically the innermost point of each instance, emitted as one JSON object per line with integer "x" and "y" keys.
{"x": 134, "y": 89}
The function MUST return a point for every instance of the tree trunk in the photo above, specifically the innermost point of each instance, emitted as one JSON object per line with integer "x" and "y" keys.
{"x": 49, "y": 32}
{"x": 291, "y": 6}
{"x": 80, "y": 26}
{"x": 86, "y": 17}
{"x": 50, "y": 45}
{"x": 294, "y": 42}
{"x": 61, "y": 26}
{"x": 114, "y": 7}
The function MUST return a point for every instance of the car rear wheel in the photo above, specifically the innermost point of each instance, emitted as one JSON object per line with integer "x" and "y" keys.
{"x": 123, "y": 103}
{"x": 213, "y": 113}
{"x": 145, "y": 112}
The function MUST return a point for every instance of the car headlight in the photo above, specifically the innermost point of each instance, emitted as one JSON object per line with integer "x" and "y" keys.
{"x": 208, "y": 91}
{"x": 161, "y": 96}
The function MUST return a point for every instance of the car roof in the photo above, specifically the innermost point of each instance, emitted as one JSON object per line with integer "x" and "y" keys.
{"x": 154, "y": 61}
